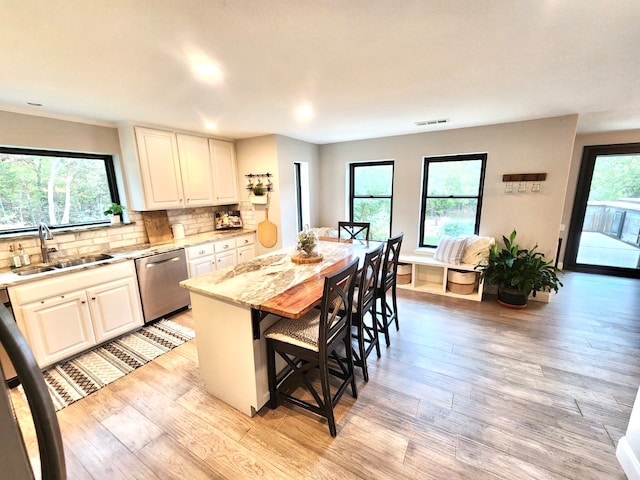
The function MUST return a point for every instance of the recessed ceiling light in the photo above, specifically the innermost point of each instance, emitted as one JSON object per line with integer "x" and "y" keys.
{"x": 207, "y": 69}
{"x": 305, "y": 111}
{"x": 34, "y": 104}
{"x": 210, "y": 126}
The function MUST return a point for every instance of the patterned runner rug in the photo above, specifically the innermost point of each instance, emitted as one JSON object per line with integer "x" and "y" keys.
{"x": 74, "y": 379}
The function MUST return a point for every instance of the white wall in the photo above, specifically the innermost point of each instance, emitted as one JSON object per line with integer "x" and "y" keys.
{"x": 544, "y": 145}
{"x": 260, "y": 155}
{"x": 291, "y": 151}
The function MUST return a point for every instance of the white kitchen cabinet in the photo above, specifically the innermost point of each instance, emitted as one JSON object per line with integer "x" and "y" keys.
{"x": 200, "y": 259}
{"x": 246, "y": 253}
{"x": 66, "y": 314}
{"x": 114, "y": 308}
{"x": 159, "y": 170}
{"x": 197, "y": 170}
{"x": 168, "y": 170}
{"x": 225, "y": 171}
{"x": 245, "y": 247}
{"x": 226, "y": 259}
{"x": 58, "y": 327}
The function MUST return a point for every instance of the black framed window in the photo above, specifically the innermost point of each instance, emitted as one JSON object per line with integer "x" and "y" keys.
{"x": 371, "y": 196}
{"x": 60, "y": 189}
{"x": 452, "y": 189}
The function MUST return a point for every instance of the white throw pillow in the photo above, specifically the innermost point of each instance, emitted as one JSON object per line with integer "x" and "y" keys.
{"x": 450, "y": 249}
{"x": 477, "y": 249}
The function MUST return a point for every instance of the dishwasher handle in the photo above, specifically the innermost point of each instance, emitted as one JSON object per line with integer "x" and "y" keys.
{"x": 161, "y": 262}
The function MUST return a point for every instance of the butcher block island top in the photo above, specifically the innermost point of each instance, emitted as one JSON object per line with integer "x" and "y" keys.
{"x": 254, "y": 282}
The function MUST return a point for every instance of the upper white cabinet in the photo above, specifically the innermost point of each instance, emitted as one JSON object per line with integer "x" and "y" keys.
{"x": 168, "y": 170}
{"x": 159, "y": 170}
{"x": 225, "y": 171}
{"x": 197, "y": 170}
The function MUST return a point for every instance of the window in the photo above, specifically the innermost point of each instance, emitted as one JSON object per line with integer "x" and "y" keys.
{"x": 451, "y": 196}
{"x": 56, "y": 188}
{"x": 371, "y": 196}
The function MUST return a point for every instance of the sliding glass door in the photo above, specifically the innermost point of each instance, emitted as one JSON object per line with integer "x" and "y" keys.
{"x": 604, "y": 236}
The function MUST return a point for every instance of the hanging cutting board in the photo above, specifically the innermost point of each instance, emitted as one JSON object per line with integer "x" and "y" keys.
{"x": 156, "y": 223}
{"x": 267, "y": 231}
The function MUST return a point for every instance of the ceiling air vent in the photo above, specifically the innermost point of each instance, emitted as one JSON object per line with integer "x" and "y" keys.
{"x": 432, "y": 122}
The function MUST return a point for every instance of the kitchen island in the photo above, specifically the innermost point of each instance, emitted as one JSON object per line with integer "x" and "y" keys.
{"x": 233, "y": 306}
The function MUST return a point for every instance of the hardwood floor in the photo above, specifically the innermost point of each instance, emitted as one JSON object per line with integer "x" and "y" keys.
{"x": 467, "y": 390}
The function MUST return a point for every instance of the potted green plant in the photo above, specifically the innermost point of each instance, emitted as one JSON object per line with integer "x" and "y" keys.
{"x": 115, "y": 212}
{"x": 518, "y": 272}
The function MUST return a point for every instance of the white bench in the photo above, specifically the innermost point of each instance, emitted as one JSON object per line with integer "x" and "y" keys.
{"x": 430, "y": 275}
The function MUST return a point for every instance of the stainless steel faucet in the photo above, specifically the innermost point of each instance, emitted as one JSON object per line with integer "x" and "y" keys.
{"x": 44, "y": 234}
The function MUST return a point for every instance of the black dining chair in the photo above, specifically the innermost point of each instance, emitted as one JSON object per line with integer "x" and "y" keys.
{"x": 354, "y": 230}
{"x": 364, "y": 308}
{"x": 388, "y": 312}
{"x": 308, "y": 344}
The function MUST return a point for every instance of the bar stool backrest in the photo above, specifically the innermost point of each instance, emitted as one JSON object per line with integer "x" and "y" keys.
{"x": 390, "y": 264}
{"x": 337, "y": 302}
{"x": 354, "y": 230}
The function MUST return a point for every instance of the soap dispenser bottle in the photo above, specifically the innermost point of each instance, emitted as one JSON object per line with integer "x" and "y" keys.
{"x": 24, "y": 256}
{"x": 15, "y": 258}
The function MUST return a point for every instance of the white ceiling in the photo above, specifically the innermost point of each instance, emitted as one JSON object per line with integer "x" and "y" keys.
{"x": 369, "y": 68}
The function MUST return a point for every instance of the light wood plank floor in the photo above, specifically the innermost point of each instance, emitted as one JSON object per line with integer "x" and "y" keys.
{"x": 466, "y": 390}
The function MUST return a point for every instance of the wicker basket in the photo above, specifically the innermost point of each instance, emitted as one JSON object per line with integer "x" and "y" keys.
{"x": 461, "y": 282}
{"x": 403, "y": 275}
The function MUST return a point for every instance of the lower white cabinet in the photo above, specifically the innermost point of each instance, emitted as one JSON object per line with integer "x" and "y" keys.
{"x": 114, "y": 307}
{"x": 58, "y": 327}
{"x": 66, "y": 314}
{"x": 207, "y": 257}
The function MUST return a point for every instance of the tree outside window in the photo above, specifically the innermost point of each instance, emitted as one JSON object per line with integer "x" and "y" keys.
{"x": 371, "y": 196}
{"x": 56, "y": 188}
{"x": 451, "y": 196}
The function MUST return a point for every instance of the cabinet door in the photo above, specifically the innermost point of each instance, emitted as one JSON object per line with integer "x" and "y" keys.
{"x": 159, "y": 168}
{"x": 115, "y": 308}
{"x": 225, "y": 171}
{"x": 226, "y": 259}
{"x": 246, "y": 253}
{"x": 58, "y": 327}
{"x": 196, "y": 170}
{"x": 201, "y": 266}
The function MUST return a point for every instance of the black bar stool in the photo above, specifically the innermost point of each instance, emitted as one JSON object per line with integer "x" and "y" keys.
{"x": 354, "y": 230}
{"x": 388, "y": 312}
{"x": 308, "y": 344}
{"x": 364, "y": 302}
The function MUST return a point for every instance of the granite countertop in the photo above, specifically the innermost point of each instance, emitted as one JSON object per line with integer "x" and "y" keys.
{"x": 8, "y": 277}
{"x": 255, "y": 281}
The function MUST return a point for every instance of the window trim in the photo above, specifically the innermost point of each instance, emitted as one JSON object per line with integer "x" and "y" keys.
{"x": 352, "y": 195}
{"x": 112, "y": 182}
{"x": 482, "y": 156}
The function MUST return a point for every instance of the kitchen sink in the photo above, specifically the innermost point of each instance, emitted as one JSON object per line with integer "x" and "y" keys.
{"x": 71, "y": 262}
{"x": 33, "y": 270}
{"x": 81, "y": 261}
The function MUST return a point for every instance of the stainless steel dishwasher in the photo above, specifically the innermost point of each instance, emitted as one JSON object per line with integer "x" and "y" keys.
{"x": 159, "y": 276}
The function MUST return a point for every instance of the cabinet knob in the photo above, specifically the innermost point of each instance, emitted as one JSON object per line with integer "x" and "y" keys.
{"x": 246, "y": 241}
{"x": 201, "y": 252}
{"x": 83, "y": 302}
{"x": 93, "y": 298}
{"x": 226, "y": 246}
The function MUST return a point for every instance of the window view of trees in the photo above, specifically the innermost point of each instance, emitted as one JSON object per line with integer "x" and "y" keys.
{"x": 371, "y": 196}
{"x": 452, "y": 195}
{"x": 52, "y": 187}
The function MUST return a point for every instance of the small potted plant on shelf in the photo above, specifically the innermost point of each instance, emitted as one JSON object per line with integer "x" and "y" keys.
{"x": 518, "y": 272}
{"x": 115, "y": 212}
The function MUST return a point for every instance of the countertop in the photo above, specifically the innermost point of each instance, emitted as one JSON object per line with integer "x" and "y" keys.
{"x": 255, "y": 281}
{"x": 8, "y": 277}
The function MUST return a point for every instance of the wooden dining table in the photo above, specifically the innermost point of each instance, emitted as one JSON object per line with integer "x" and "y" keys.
{"x": 232, "y": 308}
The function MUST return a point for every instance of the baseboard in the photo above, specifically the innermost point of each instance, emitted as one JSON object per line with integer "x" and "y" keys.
{"x": 628, "y": 459}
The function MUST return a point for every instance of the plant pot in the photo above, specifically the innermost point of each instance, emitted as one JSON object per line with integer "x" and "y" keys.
{"x": 115, "y": 219}
{"x": 511, "y": 298}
